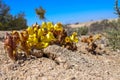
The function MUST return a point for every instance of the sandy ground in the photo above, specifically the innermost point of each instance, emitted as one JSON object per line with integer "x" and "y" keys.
{"x": 66, "y": 65}
{"x": 87, "y": 24}
{"x": 81, "y": 24}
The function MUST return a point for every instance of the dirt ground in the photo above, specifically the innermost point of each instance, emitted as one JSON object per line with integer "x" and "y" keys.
{"x": 66, "y": 65}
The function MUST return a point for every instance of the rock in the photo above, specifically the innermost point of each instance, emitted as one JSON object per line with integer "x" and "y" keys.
{"x": 37, "y": 53}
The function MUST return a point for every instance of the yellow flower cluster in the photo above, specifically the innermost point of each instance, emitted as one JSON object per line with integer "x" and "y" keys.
{"x": 39, "y": 37}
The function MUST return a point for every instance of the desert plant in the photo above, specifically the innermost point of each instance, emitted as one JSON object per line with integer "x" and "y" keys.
{"x": 91, "y": 45}
{"x": 82, "y": 30}
{"x": 9, "y": 21}
{"x": 41, "y": 13}
{"x": 38, "y": 37}
{"x": 113, "y": 36}
{"x": 99, "y": 26}
{"x": 117, "y": 9}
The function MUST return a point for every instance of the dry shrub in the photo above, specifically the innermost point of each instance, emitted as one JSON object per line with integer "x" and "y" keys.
{"x": 113, "y": 36}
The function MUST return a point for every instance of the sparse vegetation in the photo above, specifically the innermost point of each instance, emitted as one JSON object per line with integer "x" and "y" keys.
{"x": 99, "y": 26}
{"x": 112, "y": 28}
{"x": 82, "y": 30}
{"x": 113, "y": 36}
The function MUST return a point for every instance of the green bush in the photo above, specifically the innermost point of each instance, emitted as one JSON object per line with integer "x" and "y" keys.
{"x": 100, "y": 26}
{"x": 9, "y": 21}
{"x": 82, "y": 30}
{"x": 113, "y": 36}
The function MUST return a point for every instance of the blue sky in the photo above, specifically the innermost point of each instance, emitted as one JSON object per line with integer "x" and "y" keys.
{"x": 65, "y": 11}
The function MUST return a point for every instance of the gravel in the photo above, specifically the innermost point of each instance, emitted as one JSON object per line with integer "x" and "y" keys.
{"x": 62, "y": 64}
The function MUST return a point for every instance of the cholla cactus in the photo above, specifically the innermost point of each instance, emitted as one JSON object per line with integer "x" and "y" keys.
{"x": 38, "y": 37}
{"x": 91, "y": 42}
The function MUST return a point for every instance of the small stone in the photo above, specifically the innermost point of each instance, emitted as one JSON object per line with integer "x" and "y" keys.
{"x": 37, "y": 53}
{"x": 28, "y": 78}
{"x": 60, "y": 60}
{"x": 13, "y": 66}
